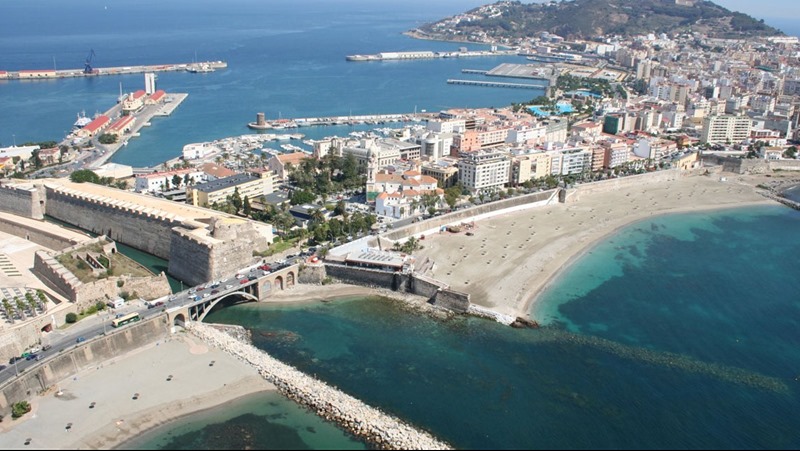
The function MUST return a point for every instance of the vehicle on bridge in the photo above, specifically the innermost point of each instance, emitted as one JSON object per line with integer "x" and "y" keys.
{"x": 127, "y": 319}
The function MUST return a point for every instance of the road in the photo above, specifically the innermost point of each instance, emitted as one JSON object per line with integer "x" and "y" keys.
{"x": 98, "y": 325}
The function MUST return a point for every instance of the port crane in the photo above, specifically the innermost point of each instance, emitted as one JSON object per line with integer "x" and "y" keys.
{"x": 87, "y": 69}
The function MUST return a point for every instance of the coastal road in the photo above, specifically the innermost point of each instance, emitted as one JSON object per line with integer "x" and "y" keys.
{"x": 100, "y": 324}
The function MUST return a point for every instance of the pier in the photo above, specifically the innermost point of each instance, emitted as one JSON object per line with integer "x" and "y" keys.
{"x": 367, "y": 423}
{"x": 279, "y": 124}
{"x": 428, "y": 54}
{"x": 48, "y": 74}
{"x": 494, "y": 84}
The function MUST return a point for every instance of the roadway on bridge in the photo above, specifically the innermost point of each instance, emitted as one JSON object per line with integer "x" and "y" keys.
{"x": 97, "y": 326}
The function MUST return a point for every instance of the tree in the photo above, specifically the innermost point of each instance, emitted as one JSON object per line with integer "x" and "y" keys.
{"x": 107, "y": 138}
{"x": 20, "y": 408}
{"x": 71, "y": 318}
{"x": 236, "y": 200}
{"x": 84, "y": 175}
{"x": 20, "y": 307}
{"x": 31, "y": 302}
{"x": 300, "y": 197}
{"x": 247, "y": 209}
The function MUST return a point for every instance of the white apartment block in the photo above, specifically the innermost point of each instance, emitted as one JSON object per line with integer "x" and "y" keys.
{"x": 447, "y": 126}
{"x": 527, "y": 135}
{"x": 575, "y": 161}
{"x": 725, "y": 128}
{"x": 484, "y": 171}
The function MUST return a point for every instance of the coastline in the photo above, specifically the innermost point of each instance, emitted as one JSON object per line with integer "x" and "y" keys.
{"x": 117, "y": 417}
{"x": 534, "y": 294}
{"x": 507, "y": 272}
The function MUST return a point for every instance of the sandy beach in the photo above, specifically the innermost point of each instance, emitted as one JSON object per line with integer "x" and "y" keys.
{"x": 116, "y": 416}
{"x": 511, "y": 258}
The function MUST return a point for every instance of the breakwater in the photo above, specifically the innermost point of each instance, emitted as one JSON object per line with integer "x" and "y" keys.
{"x": 357, "y": 418}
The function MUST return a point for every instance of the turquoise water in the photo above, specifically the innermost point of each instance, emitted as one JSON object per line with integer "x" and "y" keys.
{"x": 259, "y": 421}
{"x": 678, "y": 332}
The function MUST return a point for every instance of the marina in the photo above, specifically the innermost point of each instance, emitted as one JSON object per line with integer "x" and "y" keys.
{"x": 263, "y": 124}
{"x": 494, "y": 84}
{"x": 429, "y": 54}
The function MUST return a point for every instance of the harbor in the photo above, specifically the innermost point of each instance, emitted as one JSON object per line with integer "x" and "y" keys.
{"x": 429, "y": 54}
{"x": 88, "y": 71}
{"x": 262, "y": 123}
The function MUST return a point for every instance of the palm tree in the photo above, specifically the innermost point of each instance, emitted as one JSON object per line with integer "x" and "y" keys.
{"x": 42, "y": 300}
{"x": 7, "y": 308}
{"x": 20, "y": 307}
{"x": 31, "y": 302}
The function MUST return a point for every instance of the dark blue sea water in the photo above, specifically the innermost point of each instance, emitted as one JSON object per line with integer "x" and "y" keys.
{"x": 285, "y": 58}
{"x": 678, "y": 332}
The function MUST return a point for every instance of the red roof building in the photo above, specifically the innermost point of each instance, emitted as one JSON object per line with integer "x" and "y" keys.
{"x": 93, "y": 127}
{"x": 156, "y": 97}
{"x": 122, "y": 125}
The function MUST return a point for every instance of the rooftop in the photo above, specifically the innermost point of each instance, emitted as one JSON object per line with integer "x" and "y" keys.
{"x": 225, "y": 183}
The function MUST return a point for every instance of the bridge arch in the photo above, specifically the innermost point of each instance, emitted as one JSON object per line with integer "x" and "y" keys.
{"x": 208, "y": 307}
{"x": 179, "y": 320}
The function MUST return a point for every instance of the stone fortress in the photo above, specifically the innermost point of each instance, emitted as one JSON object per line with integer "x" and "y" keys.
{"x": 199, "y": 244}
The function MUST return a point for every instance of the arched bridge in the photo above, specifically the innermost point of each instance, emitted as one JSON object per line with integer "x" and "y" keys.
{"x": 259, "y": 289}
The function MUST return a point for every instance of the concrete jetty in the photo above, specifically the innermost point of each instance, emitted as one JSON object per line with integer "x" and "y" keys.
{"x": 368, "y": 423}
{"x": 40, "y": 74}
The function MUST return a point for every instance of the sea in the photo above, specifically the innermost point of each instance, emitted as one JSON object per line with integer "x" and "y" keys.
{"x": 677, "y": 332}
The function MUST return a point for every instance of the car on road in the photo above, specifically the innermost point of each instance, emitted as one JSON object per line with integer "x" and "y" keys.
{"x": 80, "y": 340}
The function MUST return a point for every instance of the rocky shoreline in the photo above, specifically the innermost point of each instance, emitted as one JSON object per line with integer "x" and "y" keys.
{"x": 370, "y": 424}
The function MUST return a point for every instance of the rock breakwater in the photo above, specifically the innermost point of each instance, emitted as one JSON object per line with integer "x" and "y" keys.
{"x": 368, "y": 423}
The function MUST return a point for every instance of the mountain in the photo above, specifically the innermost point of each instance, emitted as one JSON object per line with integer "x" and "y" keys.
{"x": 590, "y": 18}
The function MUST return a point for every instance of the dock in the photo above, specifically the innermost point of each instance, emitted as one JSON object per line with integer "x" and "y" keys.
{"x": 279, "y": 124}
{"x": 494, "y": 84}
{"x": 49, "y": 74}
{"x": 428, "y": 54}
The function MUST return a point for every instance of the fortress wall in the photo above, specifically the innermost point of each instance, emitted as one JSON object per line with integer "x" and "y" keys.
{"x": 88, "y": 354}
{"x": 22, "y": 200}
{"x": 55, "y": 276}
{"x": 190, "y": 257}
{"x": 40, "y": 237}
{"x": 146, "y": 229}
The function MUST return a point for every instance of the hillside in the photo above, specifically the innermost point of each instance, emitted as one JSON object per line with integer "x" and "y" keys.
{"x": 589, "y": 18}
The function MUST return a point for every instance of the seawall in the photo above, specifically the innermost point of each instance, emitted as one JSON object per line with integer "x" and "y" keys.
{"x": 474, "y": 214}
{"x": 368, "y": 423}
